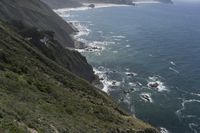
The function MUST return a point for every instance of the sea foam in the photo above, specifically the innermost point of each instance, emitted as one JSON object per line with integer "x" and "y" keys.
{"x": 163, "y": 130}
{"x": 155, "y": 79}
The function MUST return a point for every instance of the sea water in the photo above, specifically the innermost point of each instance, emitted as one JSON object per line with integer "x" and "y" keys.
{"x": 133, "y": 48}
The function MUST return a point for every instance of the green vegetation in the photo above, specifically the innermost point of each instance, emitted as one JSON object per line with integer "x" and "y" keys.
{"x": 39, "y": 95}
{"x": 34, "y": 13}
{"x": 43, "y": 41}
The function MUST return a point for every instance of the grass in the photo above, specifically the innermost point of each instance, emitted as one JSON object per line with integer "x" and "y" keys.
{"x": 39, "y": 94}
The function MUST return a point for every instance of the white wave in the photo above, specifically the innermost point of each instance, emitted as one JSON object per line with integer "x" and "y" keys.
{"x": 192, "y": 125}
{"x": 103, "y": 77}
{"x": 146, "y": 97}
{"x": 146, "y": 2}
{"x": 82, "y": 28}
{"x": 156, "y": 80}
{"x": 80, "y": 50}
{"x": 195, "y": 94}
{"x": 128, "y": 46}
{"x": 189, "y": 116}
{"x": 127, "y": 99}
{"x": 174, "y": 70}
{"x": 114, "y": 83}
{"x": 105, "y": 5}
{"x": 67, "y": 10}
{"x": 64, "y": 14}
{"x": 107, "y": 84}
{"x": 132, "y": 84}
{"x": 85, "y": 7}
{"x": 190, "y": 93}
{"x": 119, "y": 37}
{"x": 101, "y": 43}
{"x": 131, "y": 74}
{"x": 97, "y": 46}
{"x": 163, "y": 130}
{"x": 173, "y": 63}
{"x": 140, "y": 84}
{"x": 179, "y": 112}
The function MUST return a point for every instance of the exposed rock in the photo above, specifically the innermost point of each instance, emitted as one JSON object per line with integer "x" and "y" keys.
{"x": 91, "y": 5}
{"x": 154, "y": 85}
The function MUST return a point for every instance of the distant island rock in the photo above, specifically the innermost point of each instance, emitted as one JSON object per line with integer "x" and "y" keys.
{"x": 91, "y": 5}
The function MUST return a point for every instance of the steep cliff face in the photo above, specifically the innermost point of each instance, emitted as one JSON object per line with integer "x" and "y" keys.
{"x": 39, "y": 95}
{"x": 34, "y": 20}
{"x": 35, "y": 13}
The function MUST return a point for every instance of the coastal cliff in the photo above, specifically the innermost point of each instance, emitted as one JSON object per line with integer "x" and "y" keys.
{"x": 32, "y": 19}
{"x": 44, "y": 87}
{"x": 35, "y": 13}
{"x": 39, "y": 95}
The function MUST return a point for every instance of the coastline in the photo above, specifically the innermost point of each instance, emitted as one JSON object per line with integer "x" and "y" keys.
{"x": 85, "y": 6}
{"x": 101, "y": 81}
{"x": 152, "y": 80}
{"x": 80, "y": 45}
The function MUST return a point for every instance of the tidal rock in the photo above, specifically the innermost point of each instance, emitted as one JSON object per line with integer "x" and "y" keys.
{"x": 154, "y": 85}
{"x": 91, "y": 5}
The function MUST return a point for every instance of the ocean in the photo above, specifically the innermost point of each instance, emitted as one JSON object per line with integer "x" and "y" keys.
{"x": 148, "y": 58}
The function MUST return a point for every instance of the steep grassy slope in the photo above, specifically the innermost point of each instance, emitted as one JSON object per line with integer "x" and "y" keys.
{"x": 35, "y": 13}
{"x": 38, "y": 95}
{"x": 43, "y": 41}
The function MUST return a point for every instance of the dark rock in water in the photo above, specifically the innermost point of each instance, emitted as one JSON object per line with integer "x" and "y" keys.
{"x": 91, "y": 5}
{"x": 130, "y": 74}
{"x": 95, "y": 48}
{"x": 114, "y": 83}
{"x": 92, "y": 49}
{"x": 154, "y": 85}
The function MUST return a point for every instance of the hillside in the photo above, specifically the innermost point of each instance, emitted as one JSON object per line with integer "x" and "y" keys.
{"x": 40, "y": 96}
{"x": 35, "y": 13}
